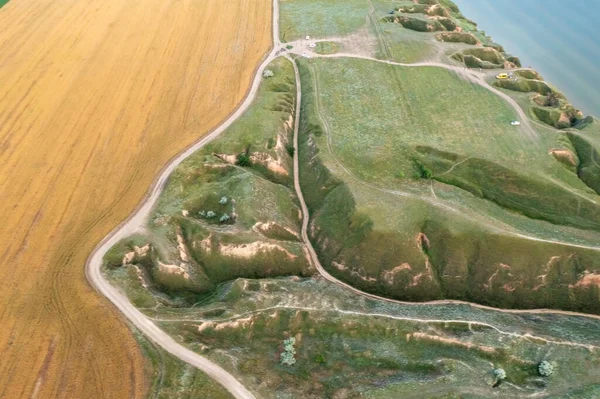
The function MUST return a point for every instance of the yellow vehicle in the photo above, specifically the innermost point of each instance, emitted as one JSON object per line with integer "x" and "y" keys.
{"x": 502, "y": 76}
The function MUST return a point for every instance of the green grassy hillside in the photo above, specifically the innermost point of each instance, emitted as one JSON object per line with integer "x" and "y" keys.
{"x": 382, "y": 350}
{"x": 419, "y": 189}
{"x": 228, "y": 211}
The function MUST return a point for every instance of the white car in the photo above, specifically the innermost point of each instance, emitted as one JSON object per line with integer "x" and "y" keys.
{"x": 307, "y": 37}
{"x": 312, "y": 45}
{"x": 515, "y": 123}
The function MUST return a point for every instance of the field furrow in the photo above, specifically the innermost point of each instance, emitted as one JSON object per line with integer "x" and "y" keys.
{"x": 95, "y": 97}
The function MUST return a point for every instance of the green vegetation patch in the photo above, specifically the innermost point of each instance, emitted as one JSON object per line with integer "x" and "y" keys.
{"x": 393, "y": 226}
{"x": 419, "y": 24}
{"x": 587, "y": 151}
{"x": 174, "y": 379}
{"x": 457, "y": 37}
{"x": 403, "y": 45}
{"x": 534, "y": 197}
{"x": 308, "y": 349}
{"x": 528, "y": 74}
{"x": 481, "y": 57}
{"x": 228, "y": 211}
{"x": 327, "y": 48}
{"x": 321, "y": 18}
{"x": 525, "y": 85}
{"x": 377, "y": 113}
{"x": 552, "y": 117}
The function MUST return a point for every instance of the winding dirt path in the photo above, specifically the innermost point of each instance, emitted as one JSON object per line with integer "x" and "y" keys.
{"x": 137, "y": 221}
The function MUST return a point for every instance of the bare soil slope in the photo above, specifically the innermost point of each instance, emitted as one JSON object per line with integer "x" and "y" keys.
{"x": 95, "y": 97}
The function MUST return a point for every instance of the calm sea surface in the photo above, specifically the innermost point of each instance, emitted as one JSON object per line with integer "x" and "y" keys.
{"x": 559, "y": 38}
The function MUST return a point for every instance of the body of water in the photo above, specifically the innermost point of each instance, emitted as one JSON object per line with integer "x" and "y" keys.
{"x": 558, "y": 38}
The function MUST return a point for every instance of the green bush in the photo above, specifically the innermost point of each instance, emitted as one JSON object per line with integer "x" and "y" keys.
{"x": 526, "y": 86}
{"x": 243, "y": 160}
{"x": 545, "y": 368}
{"x": 290, "y": 150}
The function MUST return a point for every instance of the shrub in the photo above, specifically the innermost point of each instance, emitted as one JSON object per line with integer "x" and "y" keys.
{"x": 546, "y": 369}
{"x": 223, "y": 200}
{"x": 423, "y": 171}
{"x": 500, "y": 374}
{"x": 243, "y": 160}
{"x": 320, "y": 359}
{"x": 268, "y": 74}
{"x": 224, "y": 218}
{"x": 290, "y": 150}
{"x": 514, "y": 60}
{"x": 289, "y": 352}
{"x": 210, "y": 214}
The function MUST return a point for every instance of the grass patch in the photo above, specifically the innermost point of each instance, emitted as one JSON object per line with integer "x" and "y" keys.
{"x": 533, "y": 197}
{"x": 327, "y": 48}
{"x": 379, "y": 116}
{"x": 174, "y": 379}
{"x": 320, "y": 19}
{"x": 378, "y": 356}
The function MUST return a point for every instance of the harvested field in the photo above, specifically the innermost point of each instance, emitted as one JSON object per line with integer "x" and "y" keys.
{"x": 95, "y": 99}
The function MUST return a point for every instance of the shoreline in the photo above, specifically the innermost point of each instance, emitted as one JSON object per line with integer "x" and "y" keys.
{"x": 538, "y": 52}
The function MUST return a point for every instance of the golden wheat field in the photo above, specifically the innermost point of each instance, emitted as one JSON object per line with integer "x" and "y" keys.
{"x": 95, "y": 97}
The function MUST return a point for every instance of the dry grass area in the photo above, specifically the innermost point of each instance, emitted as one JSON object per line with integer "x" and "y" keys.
{"x": 95, "y": 97}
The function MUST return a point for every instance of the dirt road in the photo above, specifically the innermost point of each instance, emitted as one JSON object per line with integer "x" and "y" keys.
{"x": 139, "y": 218}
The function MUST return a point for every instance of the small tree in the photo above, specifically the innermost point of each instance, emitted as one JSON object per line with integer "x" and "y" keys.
{"x": 320, "y": 359}
{"x": 290, "y": 150}
{"x": 223, "y": 200}
{"x": 224, "y": 218}
{"x": 268, "y": 74}
{"x": 500, "y": 374}
{"x": 545, "y": 368}
{"x": 243, "y": 160}
{"x": 289, "y": 351}
{"x": 210, "y": 214}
